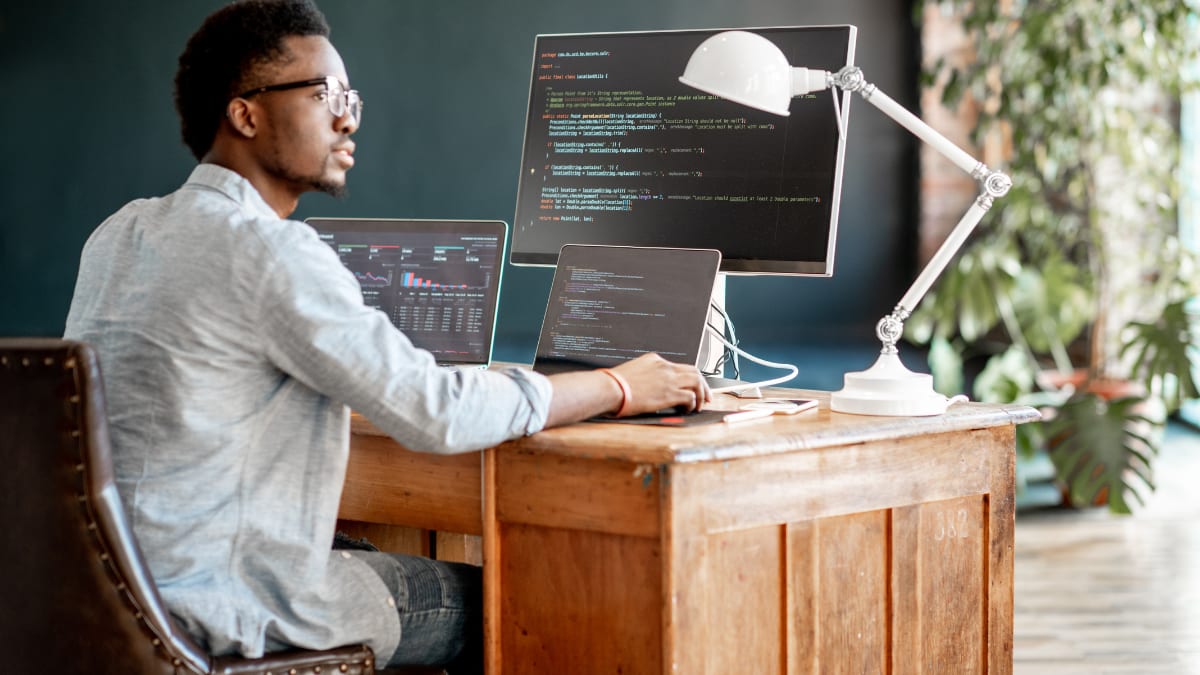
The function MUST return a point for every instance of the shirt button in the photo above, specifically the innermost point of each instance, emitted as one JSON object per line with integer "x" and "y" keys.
{"x": 346, "y": 555}
{"x": 392, "y": 602}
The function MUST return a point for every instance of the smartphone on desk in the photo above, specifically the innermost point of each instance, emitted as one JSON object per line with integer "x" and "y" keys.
{"x": 782, "y": 406}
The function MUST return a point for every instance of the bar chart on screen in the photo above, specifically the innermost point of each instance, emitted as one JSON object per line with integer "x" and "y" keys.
{"x": 433, "y": 285}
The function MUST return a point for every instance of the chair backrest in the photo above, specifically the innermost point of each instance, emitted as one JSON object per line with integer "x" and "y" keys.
{"x": 77, "y": 596}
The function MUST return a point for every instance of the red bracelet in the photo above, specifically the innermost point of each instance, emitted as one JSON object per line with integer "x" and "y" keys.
{"x": 626, "y": 392}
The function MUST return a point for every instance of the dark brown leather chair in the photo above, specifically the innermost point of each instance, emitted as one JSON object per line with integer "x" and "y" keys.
{"x": 75, "y": 594}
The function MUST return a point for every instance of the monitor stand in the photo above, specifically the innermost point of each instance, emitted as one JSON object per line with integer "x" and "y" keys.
{"x": 711, "y": 349}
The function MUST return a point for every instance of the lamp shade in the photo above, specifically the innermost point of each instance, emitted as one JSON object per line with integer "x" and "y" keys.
{"x": 742, "y": 67}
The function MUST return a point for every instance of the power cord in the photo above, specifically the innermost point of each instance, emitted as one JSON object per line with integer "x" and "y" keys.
{"x": 732, "y": 348}
{"x": 728, "y": 356}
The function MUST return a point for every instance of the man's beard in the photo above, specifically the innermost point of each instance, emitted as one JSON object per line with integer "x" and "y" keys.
{"x": 336, "y": 190}
{"x": 312, "y": 183}
{"x": 318, "y": 184}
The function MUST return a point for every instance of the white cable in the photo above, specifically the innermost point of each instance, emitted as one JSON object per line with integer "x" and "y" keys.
{"x": 763, "y": 362}
{"x": 837, "y": 112}
{"x": 737, "y": 365}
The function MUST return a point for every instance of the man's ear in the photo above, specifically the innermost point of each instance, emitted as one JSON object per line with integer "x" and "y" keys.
{"x": 243, "y": 117}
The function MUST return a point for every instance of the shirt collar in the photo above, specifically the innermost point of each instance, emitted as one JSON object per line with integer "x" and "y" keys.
{"x": 232, "y": 185}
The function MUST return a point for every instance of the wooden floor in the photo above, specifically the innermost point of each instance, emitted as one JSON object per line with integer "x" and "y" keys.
{"x": 1109, "y": 594}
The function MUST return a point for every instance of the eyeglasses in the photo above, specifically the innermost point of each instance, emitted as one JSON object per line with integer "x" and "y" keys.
{"x": 339, "y": 99}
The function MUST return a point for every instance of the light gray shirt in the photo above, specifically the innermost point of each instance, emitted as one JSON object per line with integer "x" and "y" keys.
{"x": 231, "y": 343}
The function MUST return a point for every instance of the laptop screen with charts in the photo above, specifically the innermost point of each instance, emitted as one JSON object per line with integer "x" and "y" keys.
{"x": 437, "y": 280}
{"x": 610, "y": 304}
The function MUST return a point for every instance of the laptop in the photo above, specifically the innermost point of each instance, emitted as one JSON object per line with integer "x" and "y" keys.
{"x": 437, "y": 280}
{"x": 610, "y": 304}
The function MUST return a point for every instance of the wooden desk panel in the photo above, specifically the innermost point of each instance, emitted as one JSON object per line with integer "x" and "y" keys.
{"x": 816, "y": 543}
{"x": 390, "y": 485}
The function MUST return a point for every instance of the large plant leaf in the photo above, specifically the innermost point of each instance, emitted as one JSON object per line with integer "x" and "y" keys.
{"x": 1162, "y": 354}
{"x": 1053, "y": 303}
{"x": 1006, "y": 378}
{"x": 963, "y": 304}
{"x": 946, "y": 365}
{"x": 1102, "y": 450}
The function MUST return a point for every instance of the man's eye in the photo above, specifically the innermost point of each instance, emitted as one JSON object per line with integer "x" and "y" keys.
{"x": 322, "y": 95}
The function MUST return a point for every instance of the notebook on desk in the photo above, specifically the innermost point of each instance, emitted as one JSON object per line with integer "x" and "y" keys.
{"x": 438, "y": 281}
{"x": 610, "y": 304}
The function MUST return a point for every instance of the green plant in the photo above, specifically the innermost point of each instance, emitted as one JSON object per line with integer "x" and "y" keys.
{"x": 1085, "y": 92}
{"x": 1098, "y": 447}
{"x": 1162, "y": 354}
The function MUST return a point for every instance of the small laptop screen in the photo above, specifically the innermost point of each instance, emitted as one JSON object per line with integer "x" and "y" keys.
{"x": 610, "y": 304}
{"x": 437, "y": 280}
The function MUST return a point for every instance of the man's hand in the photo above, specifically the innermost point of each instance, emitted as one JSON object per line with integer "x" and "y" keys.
{"x": 654, "y": 384}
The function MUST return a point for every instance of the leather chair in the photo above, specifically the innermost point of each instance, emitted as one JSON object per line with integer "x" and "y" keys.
{"x": 75, "y": 593}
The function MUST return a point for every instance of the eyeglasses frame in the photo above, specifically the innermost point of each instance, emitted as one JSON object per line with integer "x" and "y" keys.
{"x": 328, "y": 81}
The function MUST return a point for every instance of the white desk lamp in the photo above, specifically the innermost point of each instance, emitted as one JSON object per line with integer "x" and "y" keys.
{"x": 749, "y": 69}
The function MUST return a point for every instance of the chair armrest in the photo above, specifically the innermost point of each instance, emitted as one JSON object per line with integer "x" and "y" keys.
{"x": 354, "y": 660}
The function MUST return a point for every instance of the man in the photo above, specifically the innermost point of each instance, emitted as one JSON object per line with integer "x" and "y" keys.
{"x": 233, "y": 341}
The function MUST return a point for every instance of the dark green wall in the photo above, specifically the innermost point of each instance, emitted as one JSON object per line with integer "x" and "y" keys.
{"x": 88, "y": 125}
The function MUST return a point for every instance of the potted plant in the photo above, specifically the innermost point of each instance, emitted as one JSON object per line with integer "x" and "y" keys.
{"x": 1077, "y": 280}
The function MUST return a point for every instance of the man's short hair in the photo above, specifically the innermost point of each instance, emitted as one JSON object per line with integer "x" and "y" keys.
{"x": 222, "y": 57}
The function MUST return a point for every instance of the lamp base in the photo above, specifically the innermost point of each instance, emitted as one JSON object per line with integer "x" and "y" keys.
{"x": 888, "y": 388}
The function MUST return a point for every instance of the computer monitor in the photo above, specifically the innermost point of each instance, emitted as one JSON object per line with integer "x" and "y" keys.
{"x": 617, "y": 151}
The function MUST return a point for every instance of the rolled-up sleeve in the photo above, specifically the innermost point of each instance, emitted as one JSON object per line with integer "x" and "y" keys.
{"x": 317, "y": 330}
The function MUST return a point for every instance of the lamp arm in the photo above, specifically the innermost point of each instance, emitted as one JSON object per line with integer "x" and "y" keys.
{"x": 994, "y": 184}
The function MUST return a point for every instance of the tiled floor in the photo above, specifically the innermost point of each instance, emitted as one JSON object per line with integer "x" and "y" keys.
{"x": 1096, "y": 593}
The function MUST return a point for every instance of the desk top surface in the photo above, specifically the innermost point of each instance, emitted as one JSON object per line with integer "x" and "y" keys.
{"x": 809, "y": 430}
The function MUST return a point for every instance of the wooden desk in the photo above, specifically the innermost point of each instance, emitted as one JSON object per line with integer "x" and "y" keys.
{"x": 820, "y": 542}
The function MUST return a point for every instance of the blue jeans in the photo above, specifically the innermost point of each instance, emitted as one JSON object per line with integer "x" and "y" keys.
{"x": 441, "y": 610}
